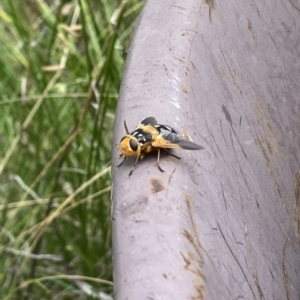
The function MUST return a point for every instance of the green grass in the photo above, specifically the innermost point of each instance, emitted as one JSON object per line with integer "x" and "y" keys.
{"x": 61, "y": 68}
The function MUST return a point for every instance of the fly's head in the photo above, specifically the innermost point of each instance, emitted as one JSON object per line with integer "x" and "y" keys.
{"x": 129, "y": 146}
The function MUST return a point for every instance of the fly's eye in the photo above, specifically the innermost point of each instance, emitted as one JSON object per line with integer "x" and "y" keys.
{"x": 133, "y": 144}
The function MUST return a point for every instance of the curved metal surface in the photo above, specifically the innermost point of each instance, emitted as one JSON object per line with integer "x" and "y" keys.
{"x": 222, "y": 223}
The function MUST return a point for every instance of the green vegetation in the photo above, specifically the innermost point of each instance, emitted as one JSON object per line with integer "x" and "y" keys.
{"x": 61, "y": 67}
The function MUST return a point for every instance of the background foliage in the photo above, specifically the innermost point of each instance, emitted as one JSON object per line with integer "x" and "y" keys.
{"x": 61, "y": 67}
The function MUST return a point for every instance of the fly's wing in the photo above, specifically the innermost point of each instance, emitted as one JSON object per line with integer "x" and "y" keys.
{"x": 146, "y": 131}
{"x": 165, "y": 129}
{"x": 188, "y": 145}
{"x": 165, "y": 138}
{"x": 149, "y": 121}
{"x": 160, "y": 142}
{"x": 170, "y": 139}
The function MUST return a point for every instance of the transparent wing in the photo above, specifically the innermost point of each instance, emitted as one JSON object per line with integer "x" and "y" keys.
{"x": 173, "y": 140}
{"x": 163, "y": 143}
{"x": 165, "y": 128}
{"x": 149, "y": 121}
{"x": 188, "y": 145}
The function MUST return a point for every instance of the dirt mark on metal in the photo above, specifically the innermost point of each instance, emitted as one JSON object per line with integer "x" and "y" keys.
{"x": 254, "y": 271}
{"x": 193, "y": 260}
{"x": 229, "y": 120}
{"x": 134, "y": 207}
{"x": 297, "y": 204}
{"x": 269, "y": 140}
{"x": 211, "y": 6}
{"x": 237, "y": 261}
{"x": 156, "y": 185}
{"x": 285, "y": 275}
{"x": 270, "y": 148}
{"x": 252, "y": 32}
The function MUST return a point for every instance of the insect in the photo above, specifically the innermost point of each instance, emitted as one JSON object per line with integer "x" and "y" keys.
{"x": 151, "y": 137}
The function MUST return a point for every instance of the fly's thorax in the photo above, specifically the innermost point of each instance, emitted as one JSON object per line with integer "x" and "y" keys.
{"x": 149, "y": 130}
{"x": 129, "y": 146}
{"x": 148, "y": 148}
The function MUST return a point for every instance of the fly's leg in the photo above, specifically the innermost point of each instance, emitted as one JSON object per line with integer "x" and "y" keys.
{"x": 171, "y": 154}
{"x": 121, "y": 161}
{"x": 126, "y": 128}
{"x": 157, "y": 161}
{"x": 134, "y": 166}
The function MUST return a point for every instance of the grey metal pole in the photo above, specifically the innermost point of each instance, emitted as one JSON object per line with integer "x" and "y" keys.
{"x": 224, "y": 222}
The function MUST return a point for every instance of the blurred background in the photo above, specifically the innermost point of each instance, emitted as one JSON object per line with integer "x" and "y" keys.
{"x": 61, "y": 65}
